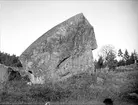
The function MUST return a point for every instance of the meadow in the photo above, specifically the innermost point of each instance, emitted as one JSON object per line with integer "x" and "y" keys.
{"x": 90, "y": 89}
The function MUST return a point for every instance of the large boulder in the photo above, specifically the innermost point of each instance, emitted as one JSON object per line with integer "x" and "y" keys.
{"x": 61, "y": 52}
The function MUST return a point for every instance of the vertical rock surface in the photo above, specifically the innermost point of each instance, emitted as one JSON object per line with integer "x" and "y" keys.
{"x": 61, "y": 52}
{"x": 3, "y": 73}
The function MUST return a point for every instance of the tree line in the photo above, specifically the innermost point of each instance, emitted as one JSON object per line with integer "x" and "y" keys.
{"x": 108, "y": 57}
{"x": 9, "y": 60}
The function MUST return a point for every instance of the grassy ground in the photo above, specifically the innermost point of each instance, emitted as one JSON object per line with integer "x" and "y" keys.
{"x": 77, "y": 90}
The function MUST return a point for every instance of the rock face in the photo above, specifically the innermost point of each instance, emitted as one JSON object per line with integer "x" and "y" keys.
{"x": 3, "y": 73}
{"x": 61, "y": 52}
{"x": 13, "y": 75}
{"x": 8, "y": 73}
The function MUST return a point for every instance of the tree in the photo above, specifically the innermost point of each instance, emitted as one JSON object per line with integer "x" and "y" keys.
{"x": 10, "y": 60}
{"x": 120, "y": 53}
{"x": 131, "y": 59}
{"x": 100, "y": 62}
{"x": 112, "y": 64}
{"x": 108, "y": 53}
{"x": 135, "y": 56}
{"x": 121, "y": 63}
{"x": 126, "y": 57}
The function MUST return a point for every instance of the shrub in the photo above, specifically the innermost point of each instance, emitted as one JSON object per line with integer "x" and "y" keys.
{"x": 112, "y": 64}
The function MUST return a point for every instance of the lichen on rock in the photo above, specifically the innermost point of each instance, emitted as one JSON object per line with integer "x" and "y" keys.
{"x": 64, "y": 50}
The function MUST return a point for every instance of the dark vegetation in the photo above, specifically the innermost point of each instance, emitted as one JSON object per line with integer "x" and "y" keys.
{"x": 109, "y": 58}
{"x": 10, "y": 60}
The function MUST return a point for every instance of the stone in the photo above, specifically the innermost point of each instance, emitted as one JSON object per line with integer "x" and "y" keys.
{"x": 61, "y": 52}
{"x": 3, "y": 73}
{"x": 13, "y": 74}
{"x": 8, "y": 73}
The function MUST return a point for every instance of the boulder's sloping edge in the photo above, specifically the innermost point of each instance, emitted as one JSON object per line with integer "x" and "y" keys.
{"x": 76, "y": 18}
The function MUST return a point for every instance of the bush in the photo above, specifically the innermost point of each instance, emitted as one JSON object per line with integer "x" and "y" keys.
{"x": 112, "y": 64}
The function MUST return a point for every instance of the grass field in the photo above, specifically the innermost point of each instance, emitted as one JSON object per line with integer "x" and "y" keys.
{"x": 120, "y": 85}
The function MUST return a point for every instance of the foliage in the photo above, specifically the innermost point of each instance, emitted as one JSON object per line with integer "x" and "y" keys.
{"x": 126, "y": 59}
{"x": 112, "y": 64}
{"x": 126, "y": 56}
{"x": 100, "y": 63}
{"x": 108, "y": 53}
{"x": 121, "y": 63}
{"x": 120, "y": 53}
{"x": 9, "y": 60}
{"x": 107, "y": 57}
{"x": 131, "y": 59}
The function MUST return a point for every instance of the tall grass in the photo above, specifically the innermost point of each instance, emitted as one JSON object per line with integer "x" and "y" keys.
{"x": 79, "y": 87}
{"x": 74, "y": 88}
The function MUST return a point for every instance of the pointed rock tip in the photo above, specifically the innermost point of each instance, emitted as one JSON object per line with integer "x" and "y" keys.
{"x": 79, "y": 15}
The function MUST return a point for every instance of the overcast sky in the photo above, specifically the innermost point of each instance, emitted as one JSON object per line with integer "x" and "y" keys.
{"x": 22, "y": 22}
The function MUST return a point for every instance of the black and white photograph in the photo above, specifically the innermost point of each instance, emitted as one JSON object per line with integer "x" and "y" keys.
{"x": 68, "y": 52}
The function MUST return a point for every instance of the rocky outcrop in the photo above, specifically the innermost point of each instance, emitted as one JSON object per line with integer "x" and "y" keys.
{"x": 13, "y": 74}
{"x": 8, "y": 73}
{"x": 3, "y": 73}
{"x": 61, "y": 52}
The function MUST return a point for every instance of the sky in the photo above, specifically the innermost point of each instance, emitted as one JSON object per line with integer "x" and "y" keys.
{"x": 22, "y": 22}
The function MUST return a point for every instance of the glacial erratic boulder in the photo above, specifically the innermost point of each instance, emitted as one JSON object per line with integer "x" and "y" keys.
{"x": 61, "y": 52}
